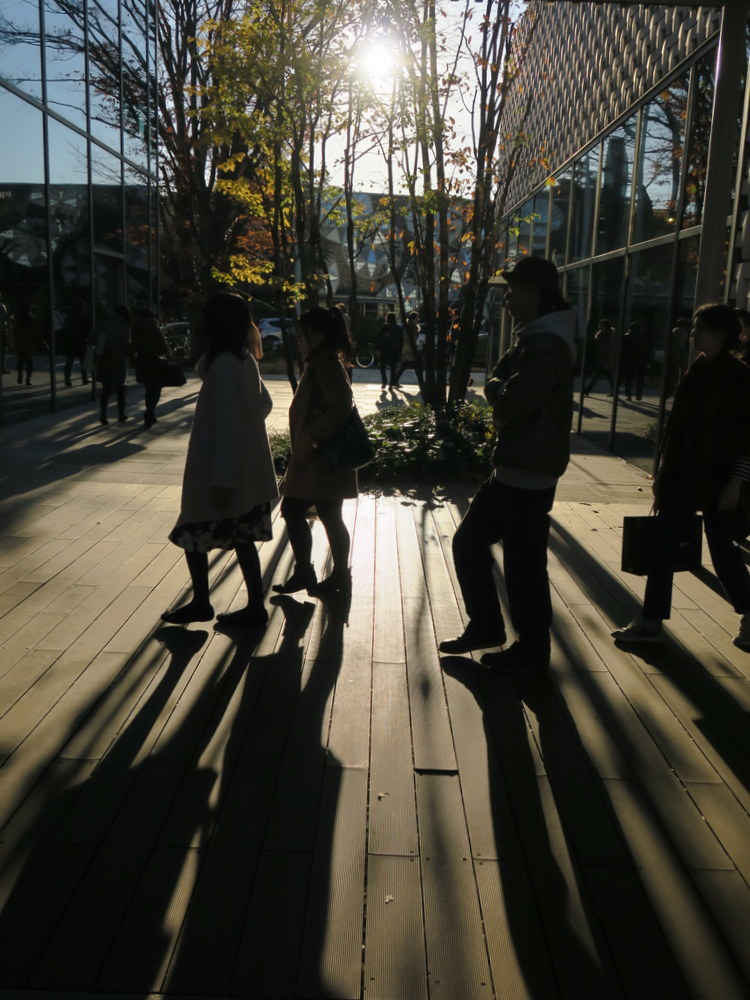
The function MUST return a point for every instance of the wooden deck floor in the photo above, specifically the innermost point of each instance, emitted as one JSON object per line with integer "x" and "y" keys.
{"x": 331, "y": 809}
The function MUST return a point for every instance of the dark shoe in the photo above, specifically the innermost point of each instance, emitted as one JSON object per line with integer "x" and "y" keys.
{"x": 301, "y": 579}
{"x": 191, "y": 612}
{"x": 473, "y": 637}
{"x": 103, "y": 419}
{"x": 20, "y": 379}
{"x": 149, "y": 420}
{"x": 68, "y": 382}
{"x": 246, "y": 617}
{"x": 122, "y": 418}
{"x": 516, "y": 658}
{"x": 335, "y": 583}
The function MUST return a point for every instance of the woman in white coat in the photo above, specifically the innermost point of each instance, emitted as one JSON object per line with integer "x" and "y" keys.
{"x": 229, "y": 479}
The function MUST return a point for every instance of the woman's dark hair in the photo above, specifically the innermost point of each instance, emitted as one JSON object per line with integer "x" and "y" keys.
{"x": 721, "y": 319}
{"x": 226, "y": 322}
{"x": 331, "y": 324}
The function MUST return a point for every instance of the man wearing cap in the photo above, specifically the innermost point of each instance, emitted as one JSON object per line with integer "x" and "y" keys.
{"x": 531, "y": 393}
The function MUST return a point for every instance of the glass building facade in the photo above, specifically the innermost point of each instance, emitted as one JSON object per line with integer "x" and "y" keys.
{"x": 78, "y": 188}
{"x": 622, "y": 221}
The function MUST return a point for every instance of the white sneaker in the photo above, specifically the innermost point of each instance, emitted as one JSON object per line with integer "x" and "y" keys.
{"x": 642, "y": 630}
{"x": 742, "y": 639}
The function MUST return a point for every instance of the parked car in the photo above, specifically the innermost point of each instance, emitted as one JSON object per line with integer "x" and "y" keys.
{"x": 177, "y": 335}
{"x": 270, "y": 332}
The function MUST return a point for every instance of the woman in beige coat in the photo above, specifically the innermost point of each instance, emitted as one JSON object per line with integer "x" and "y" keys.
{"x": 321, "y": 405}
{"x": 229, "y": 478}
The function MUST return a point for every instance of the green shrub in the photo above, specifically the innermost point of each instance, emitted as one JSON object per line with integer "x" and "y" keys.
{"x": 415, "y": 445}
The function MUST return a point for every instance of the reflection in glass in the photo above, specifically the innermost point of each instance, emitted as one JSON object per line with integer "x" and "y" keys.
{"x": 585, "y": 179}
{"x": 23, "y": 209}
{"x": 648, "y": 319}
{"x": 64, "y": 28}
{"x": 104, "y": 72}
{"x": 107, "y": 198}
{"x": 601, "y": 354}
{"x": 558, "y": 218}
{"x": 696, "y": 162}
{"x": 660, "y": 162}
{"x": 19, "y": 45}
{"x": 540, "y": 223}
{"x": 523, "y": 222}
{"x": 69, "y": 212}
{"x": 136, "y": 64}
{"x": 137, "y": 236}
{"x": 614, "y": 208}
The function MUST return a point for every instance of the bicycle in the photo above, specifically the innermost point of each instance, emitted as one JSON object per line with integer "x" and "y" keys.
{"x": 365, "y": 358}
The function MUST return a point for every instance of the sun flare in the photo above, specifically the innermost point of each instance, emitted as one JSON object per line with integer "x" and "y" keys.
{"x": 376, "y": 63}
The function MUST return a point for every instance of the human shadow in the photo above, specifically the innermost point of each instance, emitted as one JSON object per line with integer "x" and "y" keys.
{"x": 722, "y": 719}
{"x": 258, "y": 915}
{"x": 83, "y": 837}
{"x": 564, "y": 871}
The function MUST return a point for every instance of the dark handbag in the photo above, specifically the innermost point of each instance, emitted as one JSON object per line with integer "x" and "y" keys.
{"x": 167, "y": 373}
{"x": 349, "y": 448}
{"x": 638, "y": 544}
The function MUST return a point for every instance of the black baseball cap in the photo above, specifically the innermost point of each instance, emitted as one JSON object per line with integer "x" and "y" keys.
{"x": 533, "y": 270}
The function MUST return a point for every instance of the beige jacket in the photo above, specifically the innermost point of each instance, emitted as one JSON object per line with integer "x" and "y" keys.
{"x": 228, "y": 443}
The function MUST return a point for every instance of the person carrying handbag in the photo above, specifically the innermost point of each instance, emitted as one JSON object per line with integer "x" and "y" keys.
{"x": 704, "y": 466}
{"x": 148, "y": 347}
{"x": 321, "y": 405}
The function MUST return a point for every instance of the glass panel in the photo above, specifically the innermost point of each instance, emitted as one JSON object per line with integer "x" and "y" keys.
{"x": 135, "y": 81}
{"x": 601, "y": 349}
{"x": 558, "y": 218}
{"x": 107, "y": 196}
{"x": 104, "y": 72}
{"x": 649, "y": 319}
{"x": 577, "y": 294}
{"x": 523, "y": 220}
{"x": 20, "y": 50}
{"x": 614, "y": 207}
{"x": 540, "y": 223}
{"x": 697, "y": 146}
{"x": 662, "y": 149}
{"x": 137, "y": 238}
{"x": 66, "y": 58}
{"x": 71, "y": 246}
{"x": 585, "y": 178}
{"x": 24, "y": 281}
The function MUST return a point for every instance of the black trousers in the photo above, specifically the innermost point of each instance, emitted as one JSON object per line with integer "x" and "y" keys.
{"x": 726, "y": 557}
{"x": 520, "y": 519}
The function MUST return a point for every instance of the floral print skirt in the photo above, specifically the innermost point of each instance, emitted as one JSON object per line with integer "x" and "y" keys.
{"x": 226, "y": 533}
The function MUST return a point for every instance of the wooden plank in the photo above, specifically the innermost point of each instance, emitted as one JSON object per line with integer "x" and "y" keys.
{"x": 395, "y": 961}
{"x": 431, "y": 734}
{"x": 387, "y": 616}
{"x": 703, "y": 957}
{"x": 348, "y": 634}
{"x": 392, "y": 827}
{"x": 729, "y": 821}
{"x": 488, "y": 815}
{"x": 727, "y": 896}
{"x": 331, "y": 960}
{"x": 456, "y": 954}
{"x": 77, "y": 947}
{"x": 140, "y": 954}
{"x": 518, "y": 951}
{"x": 25, "y": 925}
{"x": 269, "y": 950}
{"x": 211, "y": 939}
